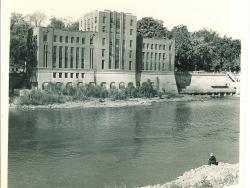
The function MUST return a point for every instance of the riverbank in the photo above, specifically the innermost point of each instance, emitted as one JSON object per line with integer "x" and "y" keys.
{"x": 224, "y": 175}
{"x": 94, "y": 103}
{"x": 97, "y": 103}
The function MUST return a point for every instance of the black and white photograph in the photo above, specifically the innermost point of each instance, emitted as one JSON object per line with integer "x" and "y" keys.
{"x": 123, "y": 94}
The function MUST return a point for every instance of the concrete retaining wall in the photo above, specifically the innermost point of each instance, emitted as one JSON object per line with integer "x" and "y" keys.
{"x": 191, "y": 82}
{"x": 163, "y": 80}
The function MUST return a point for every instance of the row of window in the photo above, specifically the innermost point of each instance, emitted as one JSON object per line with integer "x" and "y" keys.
{"x": 117, "y": 64}
{"x": 104, "y": 18}
{"x": 71, "y": 55}
{"x": 160, "y": 56}
{"x": 155, "y": 66}
{"x": 67, "y": 75}
{"x": 117, "y": 42}
{"x": 156, "y": 46}
{"x": 66, "y": 39}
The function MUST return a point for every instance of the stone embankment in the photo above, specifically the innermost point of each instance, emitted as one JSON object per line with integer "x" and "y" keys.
{"x": 222, "y": 176}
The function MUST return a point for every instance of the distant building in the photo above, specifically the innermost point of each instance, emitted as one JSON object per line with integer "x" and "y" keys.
{"x": 103, "y": 52}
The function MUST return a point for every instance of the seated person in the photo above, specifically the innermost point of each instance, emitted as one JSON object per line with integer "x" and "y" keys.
{"x": 212, "y": 160}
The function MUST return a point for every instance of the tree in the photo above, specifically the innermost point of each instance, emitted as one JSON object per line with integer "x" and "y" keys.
{"x": 18, "y": 37}
{"x": 31, "y": 56}
{"x": 70, "y": 24}
{"x": 151, "y": 28}
{"x": 36, "y": 19}
{"x": 183, "y": 48}
{"x": 73, "y": 26}
{"x": 56, "y": 23}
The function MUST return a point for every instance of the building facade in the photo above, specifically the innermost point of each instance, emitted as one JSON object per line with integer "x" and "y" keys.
{"x": 105, "y": 51}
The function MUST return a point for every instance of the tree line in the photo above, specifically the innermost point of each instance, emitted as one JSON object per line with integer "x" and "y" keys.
{"x": 200, "y": 50}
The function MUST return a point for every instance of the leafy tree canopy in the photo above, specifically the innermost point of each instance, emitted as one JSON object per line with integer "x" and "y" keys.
{"x": 151, "y": 28}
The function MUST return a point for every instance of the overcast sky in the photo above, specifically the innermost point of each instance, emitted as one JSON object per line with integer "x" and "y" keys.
{"x": 224, "y": 16}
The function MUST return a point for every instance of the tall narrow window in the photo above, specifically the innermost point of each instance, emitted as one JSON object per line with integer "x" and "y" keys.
{"x": 130, "y": 65}
{"x": 163, "y": 47}
{"x": 131, "y": 22}
{"x": 60, "y": 56}
{"x": 170, "y": 62}
{"x": 45, "y": 55}
{"x": 82, "y": 64}
{"x": 155, "y": 60}
{"x": 77, "y": 39}
{"x": 54, "y": 57}
{"x": 91, "y": 58}
{"x": 83, "y": 40}
{"x": 130, "y": 53}
{"x": 66, "y": 75}
{"x": 72, "y": 39}
{"x": 61, "y": 38}
{"x": 131, "y": 31}
{"x": 66, "y": 58}
{"x": 130, "y": 43}
{"x": 103, "y": 63}
{"x": 71, "y": 57}
{"x": 77, "y": 57}
{"x": 159, "y": 63}
{"x": 152, "y": 46}
{"x": 103, "y": 41}
{"x": 103, "y": 19}
{"x": 169, "y": 47}
{"x": 45, "y": 38}
{"x": 118, "y": 24}
{"x": 110, "y": 61}
{"x": 103, "y": 52}
{"x": 91, "y": 40}
{"x": 55, "y": 38}
{"x": 66, "y": 39}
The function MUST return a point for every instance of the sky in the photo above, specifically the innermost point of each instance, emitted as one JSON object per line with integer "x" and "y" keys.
{"x": 224, "y": 16}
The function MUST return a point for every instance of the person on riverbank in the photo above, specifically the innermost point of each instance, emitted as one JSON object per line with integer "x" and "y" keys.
{"x": 212, "y": 160}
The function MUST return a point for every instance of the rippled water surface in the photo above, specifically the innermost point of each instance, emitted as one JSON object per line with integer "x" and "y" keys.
{"x": 118, "y": 147}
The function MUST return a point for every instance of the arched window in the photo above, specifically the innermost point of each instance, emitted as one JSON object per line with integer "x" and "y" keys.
{"x": 112, "y": 85}
{"x": 121, "y": 85}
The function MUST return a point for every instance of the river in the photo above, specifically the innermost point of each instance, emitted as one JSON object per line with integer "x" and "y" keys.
{"x": 119, "y": 147}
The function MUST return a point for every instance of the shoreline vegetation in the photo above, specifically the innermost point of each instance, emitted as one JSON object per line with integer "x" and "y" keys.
{"x": 222, "y": 176}
{"x": 89, "y": 96}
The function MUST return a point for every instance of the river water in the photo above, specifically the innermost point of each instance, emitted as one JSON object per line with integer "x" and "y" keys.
{"x": 119, "y": 147}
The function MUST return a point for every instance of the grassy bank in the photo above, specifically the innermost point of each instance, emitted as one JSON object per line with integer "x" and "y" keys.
{"x": 219, "y": 176}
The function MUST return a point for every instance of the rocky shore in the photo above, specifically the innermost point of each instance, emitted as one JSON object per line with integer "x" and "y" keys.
{"x": 222, "y": 176}
{"x": 93, "y": 103}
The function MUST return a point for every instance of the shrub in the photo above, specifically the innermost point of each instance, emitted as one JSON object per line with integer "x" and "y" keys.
{"x": 37, "y": 97}
{"x": 116, "y": 94}
{"x": 147, "y": 89}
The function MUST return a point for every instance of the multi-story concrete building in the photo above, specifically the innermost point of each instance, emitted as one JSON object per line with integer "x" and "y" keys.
{"x": 116, "y": 45}
{"x": 155, "y": 61}
{"x": 64, "y": 56}
{"x": 105, "y": 52}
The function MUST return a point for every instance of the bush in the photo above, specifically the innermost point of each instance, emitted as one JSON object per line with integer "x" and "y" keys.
{"x": 116, "y": 94}
{"x": 37, "y": 97}
{"x": 147, "y": 90}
